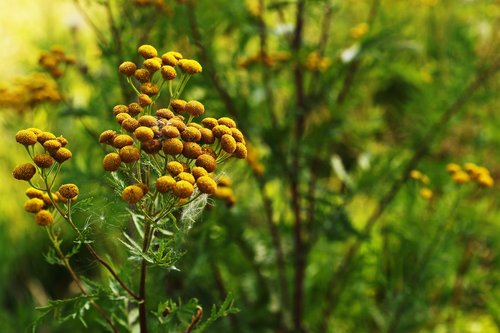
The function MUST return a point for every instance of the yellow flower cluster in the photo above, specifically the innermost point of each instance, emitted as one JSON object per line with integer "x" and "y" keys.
{"x": 186, "y": 152}
{"x": 316, "y": 63}
{"x": 425, "y": 192}
{"x": 224, "y": 190}
{"x": 47, "y": 153}
{"x": 360, "y": 30}
{"x": 55, "y": 61}
{"x": 271, "y": 60}
{"x": 28, "y": 92}
{"x": 470, "y": 172}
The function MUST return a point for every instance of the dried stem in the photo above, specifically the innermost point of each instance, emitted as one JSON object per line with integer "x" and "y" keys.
{"x": 300, "y": 255}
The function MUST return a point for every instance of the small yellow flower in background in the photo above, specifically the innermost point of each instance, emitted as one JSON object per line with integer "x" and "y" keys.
{"x": 415, "y": 174}
{"x": 359, "y": 30}
{"x": 314, "y": 62}
{"x": 419, "y": 176}
{"x": 426, "y": 193}
{"x": 460, "y": 177}
{"x": 485, "y": 180}
{"x": 453, "y": 168}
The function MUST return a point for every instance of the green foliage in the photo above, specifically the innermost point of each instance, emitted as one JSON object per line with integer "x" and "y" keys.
{"x": 329, "y": 232}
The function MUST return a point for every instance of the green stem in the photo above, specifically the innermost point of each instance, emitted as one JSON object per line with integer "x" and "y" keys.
{"x": 143, "y": 322}
{"x": 75, "y": 277}
{"x": 89, "y": 247}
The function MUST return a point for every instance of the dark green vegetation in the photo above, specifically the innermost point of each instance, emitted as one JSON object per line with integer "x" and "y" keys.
{"x": 329, "y": 232}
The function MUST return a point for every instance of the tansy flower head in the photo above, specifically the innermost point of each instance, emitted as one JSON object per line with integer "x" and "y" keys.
{"x": 241, "y": 151}
{"x": 144, "y": 100}
{"x": 69, "y": 191}
{"x": 206, "y": 185}
{"x": 26, "y": 137}
{"x": 207, "y": 162}
{"x": 107, "y": 137}
{"x": 170, "y": 131}
{"x": 168, "y": 72}
{"x": 453, "y": 168}
{"x": 132, "y": 194}
{"x": 149, "y": 88}
{"x": 152, "y": 65}
{"x": 34, "y": 205}
{"x": 120, "y": 108}
{"x": 43, "y": 160}
{"x": 129, "y": 154}
{"x": 186, "y": 176}
{"x": 207, "y": 136}
{"x": 111, "y": 162}
{"x": 191, "y": 150}
{"x": 191, "y": 134}
{"x": 461, "y": 177}
{"x": 52, "y": 145}
{"x": 174, "y": 168}
{"x": 147, "y": 51}
{"x": 220, "y": 130}
{"x": 165, "y": 184}
{"x": 144, "y": 133}
{"x": 169, "y": 59}
{"x": 183, "y": 189}
{"x": 61, "y": 155}
{"x": 44, "y": 218}
{"x": 142, "y": 75}
{"x": 226, "y": 121}
{"x": 44, "y": 136}
{"x": 172, "y": 146}
{"x": 210, "y": 122}
{"x": 190, "y": 66}
{"x": 148, "y": 121}
{"x": 151, "y": 146}
{"x": 178, "y": 105}
{"x": 122, "y": 140}
{"x": 199, "y": 171}
{"x": 127, "y": 68}
{"x": 194, "y": 108}
{"x": 228, "y": 143}
{"x": 426, "y": 193}
{"x": 34, "y": 193}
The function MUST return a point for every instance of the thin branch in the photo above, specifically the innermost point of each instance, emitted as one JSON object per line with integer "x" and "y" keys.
{"x": 207, "y": 60}
{"x": 99, "y": 35}
{"x": 300, "y": 255}
{"x": 355, "y": 64}
{"x": 266, "y": 75}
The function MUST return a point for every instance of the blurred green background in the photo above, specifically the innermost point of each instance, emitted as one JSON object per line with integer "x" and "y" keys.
{"x": 329, "y": 233}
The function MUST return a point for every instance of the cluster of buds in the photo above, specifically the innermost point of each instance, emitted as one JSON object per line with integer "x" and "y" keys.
{"x": 470, "y": 172}
{"x": 184, "y": 153}
{"x": 55, "y": 61}
{"x": 425, "y": 192}
{"x": 317, "y": 63}
{"x": 47, "y": 153}
{"x": 272, "y": 60}
{"x": 28, "y": 92}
